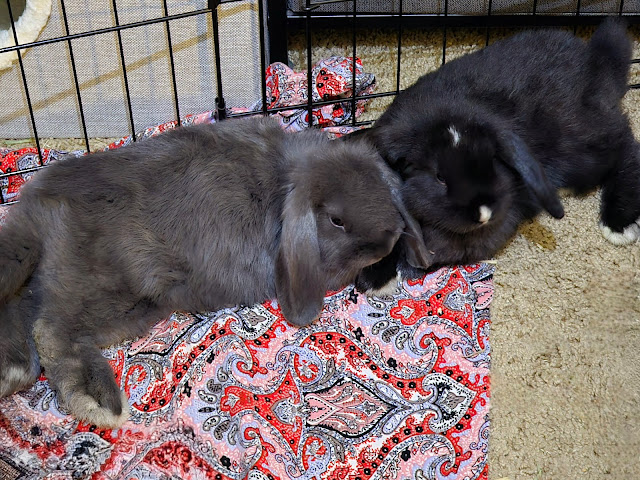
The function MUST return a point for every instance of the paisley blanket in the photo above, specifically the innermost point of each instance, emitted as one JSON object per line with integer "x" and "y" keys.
{"x": 379, "y": 388}
{"x": 384, "y": 388}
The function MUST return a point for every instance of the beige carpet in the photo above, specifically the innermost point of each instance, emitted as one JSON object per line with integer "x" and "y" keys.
{"x": 566, "y": 313}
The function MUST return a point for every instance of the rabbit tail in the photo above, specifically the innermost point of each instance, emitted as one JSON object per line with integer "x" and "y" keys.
{"x": 20, "y": 248}
{"x": 609, "y": 57}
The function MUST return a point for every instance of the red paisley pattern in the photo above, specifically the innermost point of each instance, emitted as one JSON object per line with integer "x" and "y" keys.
{"x": 332, "y": 80}
{"x": 360, "y": 394}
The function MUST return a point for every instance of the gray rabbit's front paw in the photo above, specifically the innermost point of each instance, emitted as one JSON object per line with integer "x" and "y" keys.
{"x": 85, "y": 407}
{"x": 90, "y": 393}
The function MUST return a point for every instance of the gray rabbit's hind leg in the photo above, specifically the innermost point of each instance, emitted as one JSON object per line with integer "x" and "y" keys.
{"x": 19, "y": 363}
{"x": 82, "y": 378}
{"x": 620, "y": 220}
{"x": 86, "y": 386}
{"x": 19, "y": 366}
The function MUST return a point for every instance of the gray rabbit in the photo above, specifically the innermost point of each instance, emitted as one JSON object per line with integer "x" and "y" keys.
{"x": 485, "y": 142}
{"x": 200, "y": 218}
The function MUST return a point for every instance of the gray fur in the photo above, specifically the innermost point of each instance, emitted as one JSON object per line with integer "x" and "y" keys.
{"x": 196, "y": 219}
{"x": 19, "y": 362}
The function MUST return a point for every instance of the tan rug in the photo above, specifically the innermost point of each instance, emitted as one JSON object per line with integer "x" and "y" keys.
{"x": 566, "y": 312}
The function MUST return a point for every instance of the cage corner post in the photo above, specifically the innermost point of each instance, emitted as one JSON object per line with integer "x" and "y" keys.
{"x": 277, "y": 31}
{"x": 220, "y": 105}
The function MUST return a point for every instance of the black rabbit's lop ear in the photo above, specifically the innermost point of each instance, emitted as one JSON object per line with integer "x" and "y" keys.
{"x": 518, "y": 156}
{"x": 300, "y": 279}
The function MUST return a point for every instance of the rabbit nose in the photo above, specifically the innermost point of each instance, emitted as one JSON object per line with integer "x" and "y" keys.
{"x": 484, "y": 214}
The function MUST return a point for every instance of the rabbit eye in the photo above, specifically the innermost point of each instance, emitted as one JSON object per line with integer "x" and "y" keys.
{"x": 408, "y": 170}
{"x": 336, "y": 222}
{"x": 441, "y": 179}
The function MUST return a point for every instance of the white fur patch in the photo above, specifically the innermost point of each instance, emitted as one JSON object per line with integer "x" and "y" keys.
{"x": 393, "y": 287}
{"x": 455, "y": 135}
{"x": 629, "y": 235}
{"x": 485, "y": 214}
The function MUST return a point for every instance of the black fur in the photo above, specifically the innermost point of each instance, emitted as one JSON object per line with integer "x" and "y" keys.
{"x": 533, "y": 113}
{"x": 196, "y": 219}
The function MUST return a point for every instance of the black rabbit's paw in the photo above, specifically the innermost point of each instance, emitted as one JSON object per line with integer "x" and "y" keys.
{"x": 391, "y": 288}
{"x": 630, "y": 234}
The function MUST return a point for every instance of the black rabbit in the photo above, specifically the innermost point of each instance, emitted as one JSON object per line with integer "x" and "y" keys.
{"x": 484, "y": 143}
{"x": 196, "y": 219}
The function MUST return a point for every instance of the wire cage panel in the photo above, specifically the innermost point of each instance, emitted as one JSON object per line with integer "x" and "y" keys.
{"x": 132, "y": 66}
{"x": 464, "y": 7}
{"x": 115, "y": 67}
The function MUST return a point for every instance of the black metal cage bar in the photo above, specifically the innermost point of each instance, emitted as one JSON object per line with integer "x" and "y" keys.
{"x": 24, "y": 82}
{"x": 172, "y": 63}
{"x": 124, "y": 74}
{"x": 75, "y": 76}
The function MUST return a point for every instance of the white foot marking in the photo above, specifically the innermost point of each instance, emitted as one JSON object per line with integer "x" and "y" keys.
{"x": 630, "y": 234}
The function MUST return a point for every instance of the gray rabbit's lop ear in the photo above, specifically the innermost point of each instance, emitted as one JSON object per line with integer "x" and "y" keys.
{"x": 518, "y": 156}
{"x": 300, "y": 280}
{"x": 416, "y": 252}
